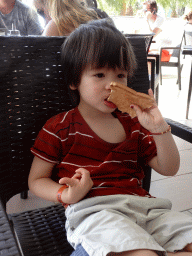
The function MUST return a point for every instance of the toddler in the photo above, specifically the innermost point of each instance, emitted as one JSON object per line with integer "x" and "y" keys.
{"x": 97, "y": 155}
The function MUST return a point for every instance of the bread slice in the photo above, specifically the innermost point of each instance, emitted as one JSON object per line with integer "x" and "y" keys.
{"x": 123, "y": 96}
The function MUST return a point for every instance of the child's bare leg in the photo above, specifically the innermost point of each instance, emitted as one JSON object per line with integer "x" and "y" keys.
{"x": 134, "y": 253}
{"x": 187, "y": 251}
{"x": 179, "y": 253}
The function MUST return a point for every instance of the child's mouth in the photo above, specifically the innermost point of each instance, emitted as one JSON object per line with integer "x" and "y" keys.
{"x": 109, "y": 104}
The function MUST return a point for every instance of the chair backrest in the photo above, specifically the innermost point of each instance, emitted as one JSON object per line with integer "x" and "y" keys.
{"x": 33, "y": 90}
{"x": 188, "y": 37}
{"x": 147, "y": 37}
{"x": 180, "y": 41}
{"x": 92, "y": 3}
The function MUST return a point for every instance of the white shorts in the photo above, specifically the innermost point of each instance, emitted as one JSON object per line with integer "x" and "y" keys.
{"x": 120, "y": 223}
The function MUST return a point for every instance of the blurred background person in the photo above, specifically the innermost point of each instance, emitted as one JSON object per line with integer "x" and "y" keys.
{"x": 42, "y": 10}
{"x": 155, "y": 21}
{"x": 188, "y": 25}
{"x": 66, "y": 15}
{"x": 93, "y": 4}
{"x": 63, "y": 16}
{"x": 20, "y": 16}
{"x": 188, "y": 28}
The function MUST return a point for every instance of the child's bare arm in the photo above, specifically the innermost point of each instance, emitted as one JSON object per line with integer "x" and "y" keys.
{"x": 79, "y": 186}
{"x": 167, "y": 160}
{"x": 41, "y": 184}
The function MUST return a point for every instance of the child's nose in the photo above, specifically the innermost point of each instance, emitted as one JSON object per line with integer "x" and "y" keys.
{"x": 108, "y": 86}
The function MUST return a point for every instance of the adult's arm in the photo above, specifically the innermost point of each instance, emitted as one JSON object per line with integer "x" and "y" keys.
{"x": 34, "y": 26}
{"x": 51, "y": 29}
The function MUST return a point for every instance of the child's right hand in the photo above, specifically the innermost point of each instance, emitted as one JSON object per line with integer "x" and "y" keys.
{"x": 79, "y": 185}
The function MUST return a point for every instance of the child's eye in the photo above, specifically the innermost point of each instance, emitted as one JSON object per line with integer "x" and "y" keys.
{"x": 121, "y": 75}
{"x": 99, "y": 75}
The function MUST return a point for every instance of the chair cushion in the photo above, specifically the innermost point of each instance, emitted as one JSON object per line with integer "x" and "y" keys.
{"x": 165, "y": 56}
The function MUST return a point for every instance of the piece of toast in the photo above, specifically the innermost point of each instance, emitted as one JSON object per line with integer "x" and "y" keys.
{"x": 123, "y": 96}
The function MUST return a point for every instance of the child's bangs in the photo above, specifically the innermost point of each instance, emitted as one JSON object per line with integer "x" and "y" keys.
{"x": 106, "y": 52}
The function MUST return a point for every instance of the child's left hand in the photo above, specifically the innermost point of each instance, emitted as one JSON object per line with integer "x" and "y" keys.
{"x": 78, "y": 186}
{"x": 151, "y": 119}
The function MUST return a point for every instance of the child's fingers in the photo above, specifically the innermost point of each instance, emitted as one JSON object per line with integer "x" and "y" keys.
{"x": 67, "y": 181}
{"x": 137, "y": 109}
{"x": 150, "y": 92}
{"x": 85, "y": 177}
{"x": 76, "y": 176}
{"x": 82, "y": 171}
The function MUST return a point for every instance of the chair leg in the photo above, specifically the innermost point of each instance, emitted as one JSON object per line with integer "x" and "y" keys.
{"x": 24, "y": 194}
{"x": 189, "y": 99}
{"x": 157, "y": 94}
{"x": 179, "y": 77}
{"x": 160, "y": 71}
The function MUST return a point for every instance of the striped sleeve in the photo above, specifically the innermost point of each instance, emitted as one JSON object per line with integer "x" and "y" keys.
{"x": 147, "y": 147}
{"x": 47, "y": 145}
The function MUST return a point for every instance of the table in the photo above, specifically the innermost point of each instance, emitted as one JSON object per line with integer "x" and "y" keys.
{"x": 8, "y": 246}
{"x": 187, "y": 50}
{"x": 156, "y": 56}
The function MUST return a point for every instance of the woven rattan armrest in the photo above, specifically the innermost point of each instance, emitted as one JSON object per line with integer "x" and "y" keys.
{"x": 8, "y": 244}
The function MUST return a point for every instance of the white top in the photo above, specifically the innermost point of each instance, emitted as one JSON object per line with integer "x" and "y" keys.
{"x": 158, "y": 23}
{"x": 188, "y": 27}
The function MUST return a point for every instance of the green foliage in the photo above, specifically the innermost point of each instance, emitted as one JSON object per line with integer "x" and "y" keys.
{"x": 115, "y": 7}
{"x": 184, "y": 3}
{"x": 173, "y": 4}
{"x": 112, "y": 7}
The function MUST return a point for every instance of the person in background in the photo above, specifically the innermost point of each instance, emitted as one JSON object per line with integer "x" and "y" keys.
{"x": 93, "y": 4}
{"x": 188, "y": 25}
{"x": 42, "y": 10}
{"x": 188, "y": 29}
{"x": 66, "y": 15}
{"x": 155, "y": 21}
{"x": 13, "y": 13}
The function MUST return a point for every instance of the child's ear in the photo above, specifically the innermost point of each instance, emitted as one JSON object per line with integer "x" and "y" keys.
{"x": 72, "y": 87}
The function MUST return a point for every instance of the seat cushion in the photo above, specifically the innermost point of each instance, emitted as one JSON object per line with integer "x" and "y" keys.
{"x": 165, "y": 56}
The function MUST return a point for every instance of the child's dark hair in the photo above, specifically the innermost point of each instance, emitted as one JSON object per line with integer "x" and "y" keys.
{"x": 97, "y": 43}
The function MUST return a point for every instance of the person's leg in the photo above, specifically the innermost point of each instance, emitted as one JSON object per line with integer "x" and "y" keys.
{"x": 179, "y": 253}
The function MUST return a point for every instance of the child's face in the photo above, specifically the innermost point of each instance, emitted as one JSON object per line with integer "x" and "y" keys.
{"x": 94, "y": 88}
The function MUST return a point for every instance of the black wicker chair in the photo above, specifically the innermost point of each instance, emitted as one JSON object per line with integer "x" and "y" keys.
{"x": 147, "y": 37}
{"x": 188, "y": 43}
{"x": 177, "y": 59}
{"x": 32, "y": 90}
{"x": 188, "y": 38}
{"x": 153, "y": 62}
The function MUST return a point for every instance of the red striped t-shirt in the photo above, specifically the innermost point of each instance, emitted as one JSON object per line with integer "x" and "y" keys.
{"x": 115, "y": 168}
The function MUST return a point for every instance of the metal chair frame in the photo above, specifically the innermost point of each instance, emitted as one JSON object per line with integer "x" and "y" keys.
{"x": 177, "y": 63}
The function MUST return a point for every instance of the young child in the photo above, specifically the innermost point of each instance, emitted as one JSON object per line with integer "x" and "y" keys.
{"x": 97, "y": 154}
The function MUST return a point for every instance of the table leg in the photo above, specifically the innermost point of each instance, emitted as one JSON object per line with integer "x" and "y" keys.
{"x": 189, "y": 92}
